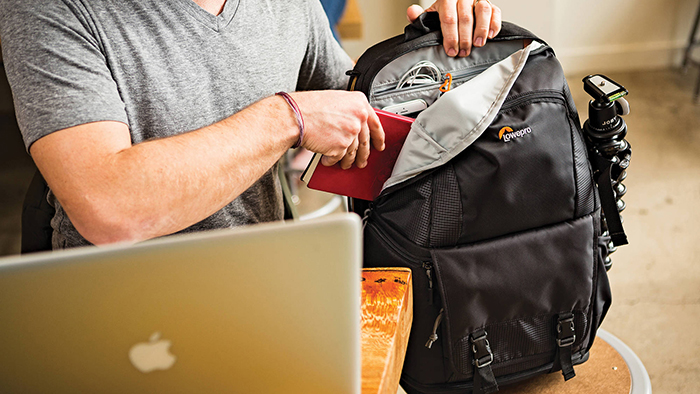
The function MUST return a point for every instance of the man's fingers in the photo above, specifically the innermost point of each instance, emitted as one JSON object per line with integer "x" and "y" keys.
{"x": 376, "y": 132}
{"x": 495, "y": 21}
{"x": 463, "y": 23}
{"x": 362, "y": 147}
{"x": 465, "y": 11}
{"x": 447, "y": 9}
{"x": 482, "y": 22}
{"x": 414, "y": 12}
{"x": 329, "y": 160}
{"x": 349, "y": 158}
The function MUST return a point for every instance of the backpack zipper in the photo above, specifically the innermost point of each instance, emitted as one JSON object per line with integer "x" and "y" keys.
{"x": 434, "y": 337}
{"x": 529, "y": 97}
{"x": 411, "y": 260}
{"x": 428, "y": 267}
{"x": 362, "y": 75}
{"x": 408, "y": 258}
{"x": 383, "y": 54}
{"x": 366, "y": 215}
{"x": 456, "y": 77}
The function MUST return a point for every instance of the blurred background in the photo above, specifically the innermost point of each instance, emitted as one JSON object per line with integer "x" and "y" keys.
{"x": 608, "y": 35}
{"x": 638, "y": 43}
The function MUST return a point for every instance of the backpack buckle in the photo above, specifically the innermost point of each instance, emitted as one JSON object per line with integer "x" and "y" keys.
{"x": 482, "y": 350}
{"x": 566, "y": 335}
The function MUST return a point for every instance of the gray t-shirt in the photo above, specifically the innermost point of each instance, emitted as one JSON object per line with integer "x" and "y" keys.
{"x": 163, "y": 68}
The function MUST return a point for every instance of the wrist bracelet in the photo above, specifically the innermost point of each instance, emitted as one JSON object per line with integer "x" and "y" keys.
{"x": 297, "y": 113}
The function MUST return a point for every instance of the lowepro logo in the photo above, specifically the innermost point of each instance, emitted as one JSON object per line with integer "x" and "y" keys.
{"x": 507, "y": 133}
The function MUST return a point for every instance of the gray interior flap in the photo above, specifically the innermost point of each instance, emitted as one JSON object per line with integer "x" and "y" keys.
{"x": 458, "y": 118}
{"x": 384, "y": 91}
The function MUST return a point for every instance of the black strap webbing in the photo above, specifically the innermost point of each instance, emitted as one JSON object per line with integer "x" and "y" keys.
{"x": 607, "y": 201}
{"x": 563, "y": 361}
{"x": 484, "y": 380}
{"x": 563, "y": 358}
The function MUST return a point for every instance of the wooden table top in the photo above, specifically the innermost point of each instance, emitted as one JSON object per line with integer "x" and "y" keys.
{"x": 387, "y": 314}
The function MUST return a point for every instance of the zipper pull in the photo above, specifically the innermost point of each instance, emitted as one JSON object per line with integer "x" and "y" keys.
{"x": 354, "y": 75}
{"x": 365, "y": 217}
{"x": 428, "y": 266}
{"x": 446, "y": 84}
{"x": 434, "y": 336}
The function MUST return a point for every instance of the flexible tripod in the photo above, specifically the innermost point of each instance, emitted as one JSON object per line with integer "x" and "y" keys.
{"x": 609, "y": 153}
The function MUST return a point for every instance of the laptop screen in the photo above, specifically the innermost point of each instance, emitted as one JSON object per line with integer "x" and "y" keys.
{"x": 266, "y": 308}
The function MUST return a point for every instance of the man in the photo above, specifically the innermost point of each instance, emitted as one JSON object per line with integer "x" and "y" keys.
{"x": 149, "y": 117}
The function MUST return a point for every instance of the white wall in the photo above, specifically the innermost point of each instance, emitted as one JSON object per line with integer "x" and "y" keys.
{"x": 382, "y": 19}
{"x": 607, "y": 35}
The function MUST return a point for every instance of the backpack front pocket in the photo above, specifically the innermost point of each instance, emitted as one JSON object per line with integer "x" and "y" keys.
{"x": 515, "y": 288}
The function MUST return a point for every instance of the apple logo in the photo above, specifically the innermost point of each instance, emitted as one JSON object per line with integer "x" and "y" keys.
{"x": 155, "y": 354}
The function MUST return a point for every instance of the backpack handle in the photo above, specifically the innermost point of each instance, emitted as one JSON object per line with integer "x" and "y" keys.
{"x": 429, "y": 22}
{"x": 426, "y": 23}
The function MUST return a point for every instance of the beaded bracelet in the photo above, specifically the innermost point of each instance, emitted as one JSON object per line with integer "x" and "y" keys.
{"x": 297, "y": 113}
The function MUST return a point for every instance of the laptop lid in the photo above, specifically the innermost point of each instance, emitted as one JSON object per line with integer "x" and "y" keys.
{"x": 264, "y": 309}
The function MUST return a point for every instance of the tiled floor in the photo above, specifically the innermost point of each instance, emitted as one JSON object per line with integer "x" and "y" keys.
{"x": 655, "y": 280}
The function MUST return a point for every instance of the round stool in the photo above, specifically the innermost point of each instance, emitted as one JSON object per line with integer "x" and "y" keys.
{"x": 612, "y": 368}
{"x": 641, "y": 384}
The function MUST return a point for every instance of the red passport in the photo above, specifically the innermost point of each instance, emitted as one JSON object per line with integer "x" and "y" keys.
{"x": 363, "y": 183}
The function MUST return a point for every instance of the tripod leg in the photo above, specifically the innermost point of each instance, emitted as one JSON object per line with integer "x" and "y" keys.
{"x": 691, "y": 40}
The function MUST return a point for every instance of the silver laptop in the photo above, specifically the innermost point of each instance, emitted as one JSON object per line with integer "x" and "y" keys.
{"x": 272, "y": 308}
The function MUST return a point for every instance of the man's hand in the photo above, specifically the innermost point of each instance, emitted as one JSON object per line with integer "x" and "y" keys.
{"x": 340, "y": 125}
{"x": 464, "y": 23}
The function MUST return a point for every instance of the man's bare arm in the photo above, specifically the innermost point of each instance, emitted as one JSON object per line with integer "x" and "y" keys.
{"x": 113, "y": 191}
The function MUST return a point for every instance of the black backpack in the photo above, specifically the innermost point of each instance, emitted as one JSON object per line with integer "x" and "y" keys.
{"x": 495, "y": 210}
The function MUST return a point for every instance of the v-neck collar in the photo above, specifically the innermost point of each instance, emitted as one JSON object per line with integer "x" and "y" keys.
{"x": 214, "y": 22}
